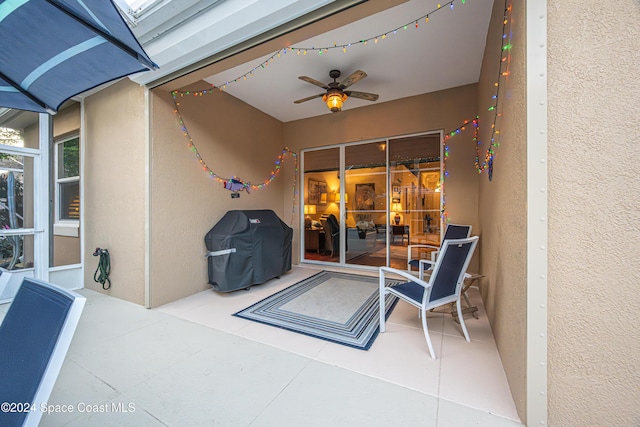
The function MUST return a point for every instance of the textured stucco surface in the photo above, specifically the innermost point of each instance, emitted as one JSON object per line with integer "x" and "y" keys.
{"x": 114, "y": 187}
{"x": 234, "y": 139}
{"x": 594, "y": 224}
{"x": 503, "y": 200}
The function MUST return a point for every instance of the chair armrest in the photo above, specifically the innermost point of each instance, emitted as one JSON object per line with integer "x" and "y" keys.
{"x": 422, "y": 245}
{"x": 422, "y": 262}
{"x": 422, "y": 266}
{"x": 410, "y": 277}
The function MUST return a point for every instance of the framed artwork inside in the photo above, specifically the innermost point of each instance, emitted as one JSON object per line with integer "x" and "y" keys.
{"x": 313, "y": 193}
{"x": 322, "y": 190}
{"x": 365, "y": 197}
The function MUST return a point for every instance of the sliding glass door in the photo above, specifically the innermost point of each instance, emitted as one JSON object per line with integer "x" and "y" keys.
{"x": 365, "y": 202}
{"x": 321, "y": 195}
{"x": 415, "y": 199}
{"x": 366, "y": 188}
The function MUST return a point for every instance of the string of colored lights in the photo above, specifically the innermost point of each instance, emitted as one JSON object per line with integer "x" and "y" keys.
{"x": 489, "y": 156}
{"x": 203, "y": 165}
{"x": 503, "y": 73}
{"x": 496, "y": 108}
{"x": 382, "y": 36}
{"x": 320, "y": 50}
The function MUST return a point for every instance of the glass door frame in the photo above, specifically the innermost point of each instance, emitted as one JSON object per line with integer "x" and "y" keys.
{"x": 372, "y": 142}
{"x": 301, "y": 203}
{"x": 342, "y": 188}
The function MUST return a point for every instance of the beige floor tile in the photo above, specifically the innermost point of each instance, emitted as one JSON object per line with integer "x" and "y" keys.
{"x": 399, "y": 356}
{"x": 192, "y": 363}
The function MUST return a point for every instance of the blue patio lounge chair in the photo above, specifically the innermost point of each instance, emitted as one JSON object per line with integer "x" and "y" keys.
{"x": 444, "y": 285}
{"x": 34, "y": 338}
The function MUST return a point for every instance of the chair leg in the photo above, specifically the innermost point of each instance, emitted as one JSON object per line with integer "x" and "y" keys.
{"x": 426, "y": 333}
{"x": 461, "y": 317}
{"x": 466, "y": 299}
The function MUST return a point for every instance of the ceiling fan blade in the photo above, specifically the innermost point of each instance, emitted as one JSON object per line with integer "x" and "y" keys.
{"x": 308, "y": 98}
{"x": 362, "y": 95}
{"x": 353, "y": 78}
{"x": 314, "y": 82}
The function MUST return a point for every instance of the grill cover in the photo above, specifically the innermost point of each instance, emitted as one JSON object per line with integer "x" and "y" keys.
{"x": 255, "y": 246}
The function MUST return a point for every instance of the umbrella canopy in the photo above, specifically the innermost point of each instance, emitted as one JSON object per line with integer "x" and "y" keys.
{"x": 51, "y": 50}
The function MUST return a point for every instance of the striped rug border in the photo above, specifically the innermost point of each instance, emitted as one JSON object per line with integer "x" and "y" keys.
{"x": 359, "y": 331}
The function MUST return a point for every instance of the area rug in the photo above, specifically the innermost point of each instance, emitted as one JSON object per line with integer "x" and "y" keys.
{"x": 339, "y": 307}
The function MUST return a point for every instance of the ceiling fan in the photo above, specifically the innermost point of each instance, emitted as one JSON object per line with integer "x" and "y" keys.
{"x": 336, "y": 95}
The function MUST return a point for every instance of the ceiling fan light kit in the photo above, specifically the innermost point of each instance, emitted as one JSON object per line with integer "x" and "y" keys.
{"x": 335, "y": 95}
{"x": 334, "y": 100}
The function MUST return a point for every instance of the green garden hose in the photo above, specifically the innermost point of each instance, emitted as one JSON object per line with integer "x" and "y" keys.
{"x": 104, "y": 268}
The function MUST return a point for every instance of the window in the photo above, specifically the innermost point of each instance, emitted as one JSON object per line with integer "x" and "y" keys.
{"x": 67, "y": 160}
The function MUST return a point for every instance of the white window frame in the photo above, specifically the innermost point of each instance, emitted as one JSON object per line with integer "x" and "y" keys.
{"x": 64, "y": 227}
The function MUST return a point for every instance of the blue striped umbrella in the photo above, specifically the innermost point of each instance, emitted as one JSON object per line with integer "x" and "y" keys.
{"x": 55, "y": 49}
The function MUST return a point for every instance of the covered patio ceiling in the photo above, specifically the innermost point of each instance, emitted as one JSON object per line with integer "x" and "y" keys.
{"x": 412, "y": 55}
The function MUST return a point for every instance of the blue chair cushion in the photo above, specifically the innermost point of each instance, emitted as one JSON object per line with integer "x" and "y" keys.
{"x": 28, "y": 337}
{"x": 411, "y": 290}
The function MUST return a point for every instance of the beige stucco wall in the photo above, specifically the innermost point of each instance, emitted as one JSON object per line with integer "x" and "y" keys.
{"x": 233, "y": 139}
{"x": 67, "y": 121}
{"x": 443, "y": 110}
{"x": 114, "y": 193}
{"x": 66, "y": 250}
{"x": 594, "y": 224}
{"x": 503, "y": 200}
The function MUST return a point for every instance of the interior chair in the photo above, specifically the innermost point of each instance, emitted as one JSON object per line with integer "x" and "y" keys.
{"x": 35, "y": 335}
{"x": 453, "y": 231}
{"x": 444, "y": 285}
{"x": 332, "y": 235}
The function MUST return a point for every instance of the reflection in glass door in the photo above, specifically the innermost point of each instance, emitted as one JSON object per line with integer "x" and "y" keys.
{"x": 391, "y": 199}
{"x": 366, "y": 189}
{"x": 322, "y": 219}
{"x": 414, "y": 174}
